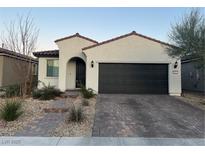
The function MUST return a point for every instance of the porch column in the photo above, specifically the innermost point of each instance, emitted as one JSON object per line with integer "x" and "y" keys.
{"x": 62, "y": 75}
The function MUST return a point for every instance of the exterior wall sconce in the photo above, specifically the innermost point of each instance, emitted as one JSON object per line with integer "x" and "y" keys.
{"x": 92, "y": 63}
{"x": 175, "y": 64}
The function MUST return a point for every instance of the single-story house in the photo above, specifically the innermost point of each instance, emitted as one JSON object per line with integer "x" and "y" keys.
{"x": 129, "y": 64}
{"x": 193, "y": 76}
{"x": 11, "y": 67}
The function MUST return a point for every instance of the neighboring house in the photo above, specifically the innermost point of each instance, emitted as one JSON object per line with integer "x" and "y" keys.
{"x": 193, "y": 77}
{"x": 10, "y": 64}
{"x": 130, "y": 64}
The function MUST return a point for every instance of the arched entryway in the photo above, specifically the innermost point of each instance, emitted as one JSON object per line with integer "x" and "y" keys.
{"x": 76, "y": 69}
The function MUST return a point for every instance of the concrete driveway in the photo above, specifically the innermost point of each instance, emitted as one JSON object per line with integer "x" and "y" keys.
{"x": 158, "y": 116}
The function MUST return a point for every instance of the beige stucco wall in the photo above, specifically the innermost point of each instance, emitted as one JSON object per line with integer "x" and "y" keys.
{"x": 12, "y": 70}
{"x": 42, "y": 73}
{"x": 132, "y": 49}
{"x": 1, "y": 70}
{"x": 70, "y": 48}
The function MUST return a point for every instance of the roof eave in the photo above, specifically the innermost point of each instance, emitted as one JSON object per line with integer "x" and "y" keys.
{"x": 17, "y": 55}
{"x": 48, "y": 53}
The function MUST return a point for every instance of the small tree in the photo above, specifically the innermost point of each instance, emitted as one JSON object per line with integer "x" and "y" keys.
{"x": 21, "y": 36}
{"x": 188, "y": 35}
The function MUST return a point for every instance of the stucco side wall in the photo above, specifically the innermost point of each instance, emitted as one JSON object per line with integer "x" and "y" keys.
{"x": 13, "y": 71}
{"x": 68, "y": 49}
{"x": 132, "y": 49}
{"x": 42, "y": 74}
{"x": 1, "y": 70}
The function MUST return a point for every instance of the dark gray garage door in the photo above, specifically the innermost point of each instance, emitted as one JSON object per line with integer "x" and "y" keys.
{"x": 133, "y": 78}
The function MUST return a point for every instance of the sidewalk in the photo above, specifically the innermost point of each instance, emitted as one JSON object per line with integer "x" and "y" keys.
{"x": 98, "y": 141}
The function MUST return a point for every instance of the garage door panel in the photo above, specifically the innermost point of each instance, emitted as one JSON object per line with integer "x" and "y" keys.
{"x": 133, "y": 78}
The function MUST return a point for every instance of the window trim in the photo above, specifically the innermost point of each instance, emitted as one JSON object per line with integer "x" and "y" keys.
{"x": 47, "y": 76}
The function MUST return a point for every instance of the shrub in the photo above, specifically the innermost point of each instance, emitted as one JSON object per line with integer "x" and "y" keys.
{"x": 85, "y": 102}
{"x": 35, "y": 82}
{"x": 12, "y": 90}
{"x": 46, "y": 93}
{"x": 11, "y": 110}
{"x": 76, "y": 114}
{"x": 87, "y": 93}
{"x": 36, "y": 93}
{"x": 2, "y": 92}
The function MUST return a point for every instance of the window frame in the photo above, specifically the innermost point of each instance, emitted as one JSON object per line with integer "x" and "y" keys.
{"x": 47, "y": 68}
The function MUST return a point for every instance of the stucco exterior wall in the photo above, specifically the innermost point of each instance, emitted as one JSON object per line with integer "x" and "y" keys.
{"x": 132, "y": 49}
{"x": 11, "y": 70}
{"x": 1, "y": 70}
{"x": 42, "y": 73}
{"x": 68, "y": 49}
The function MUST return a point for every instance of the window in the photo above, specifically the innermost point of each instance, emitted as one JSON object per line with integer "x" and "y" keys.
{"x": 52, "y": 68}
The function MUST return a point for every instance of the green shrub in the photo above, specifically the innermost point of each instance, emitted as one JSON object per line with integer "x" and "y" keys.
{"x": 11, "y": 110}
{"x": 87, "y": 93}
{"x": 46, "y": 93}
{"x": 2, "y": 92}
{"x": 76, "y": 114}
{"x": 36, "y": 93}
{"x": 85, "y": 102}
{"x": 12, "y": 90}
{"x": 35, "y": 82}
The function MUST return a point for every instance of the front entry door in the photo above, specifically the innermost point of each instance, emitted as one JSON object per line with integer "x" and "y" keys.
{"x": 80, "y": 73}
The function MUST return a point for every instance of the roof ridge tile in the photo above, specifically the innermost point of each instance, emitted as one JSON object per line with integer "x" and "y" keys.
{"x": 123, "y": 36}
{"x": 76, "y": 35}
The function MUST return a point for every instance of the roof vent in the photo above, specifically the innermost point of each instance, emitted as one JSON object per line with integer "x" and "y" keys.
{"x": 133, "y": 32}
{"x": 77, "y": 34}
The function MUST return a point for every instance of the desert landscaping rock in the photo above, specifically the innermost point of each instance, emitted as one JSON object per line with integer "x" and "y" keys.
{"x": 83, "y": 128}
{"x": 194, "y": 99}
{"x": 32, "y": 111}
{"x": 49, "y": 118}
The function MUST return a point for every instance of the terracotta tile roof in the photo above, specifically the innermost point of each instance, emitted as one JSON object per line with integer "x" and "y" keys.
{"x": 48, "y": 53}
{"x": 76, "y": 35}
{"x": 55, "y": 53}
{"x": 9, "y": 53}
{"x": 126, "y": 35}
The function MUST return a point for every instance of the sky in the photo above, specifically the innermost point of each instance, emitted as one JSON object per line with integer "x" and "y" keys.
{"x": 97, "y": 23}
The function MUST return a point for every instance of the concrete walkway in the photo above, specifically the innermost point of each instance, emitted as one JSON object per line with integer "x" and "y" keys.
{"x": 44, "y": 126}
{"x": 98, "y": 141}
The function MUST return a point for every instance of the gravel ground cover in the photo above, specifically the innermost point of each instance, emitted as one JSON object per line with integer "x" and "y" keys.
{"x": 33, "y": 109}
{"x": 75, "y": 129}
{"x": 197, "y": 100}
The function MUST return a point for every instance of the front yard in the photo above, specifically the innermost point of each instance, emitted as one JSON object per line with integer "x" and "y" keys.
{"x": 68, "y": 128}
{"x": 71, "y": 115}
{"x": 33, "y": 110}
{"x": 38, "y": 115}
